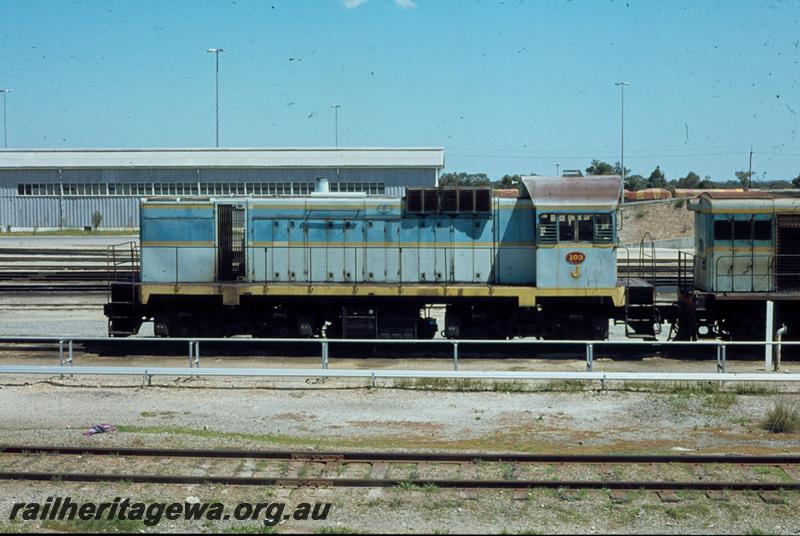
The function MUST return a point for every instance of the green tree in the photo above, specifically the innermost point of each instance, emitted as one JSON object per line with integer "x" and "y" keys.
{"x": 508, "y": 181}
{"x": 618, "y": 169}
{"x": 691, "y": 180}
{"x": 464, "y": 179}
{"x": 97, "y": 219}
{"x": 600, "y": 168}
{"x": 657, "y": 179}
{"x": 745, "y": 178}
{"x": 635, "y": 182}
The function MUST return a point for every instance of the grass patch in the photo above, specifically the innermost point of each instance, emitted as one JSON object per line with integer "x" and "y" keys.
{"x": 690, "y": 509}
{"x": 507, "y": 471}
{"x": 163, "y": 414}
{"x": 208, "y": 434}
{"x": 772, "y": 471}
{"x": 564, "y": 385}
{"x": 720, "y": 400}
{"x": 470, "y": 385}
{"x": 683, "y": 389}
{"x": 755, "y": 389}
{"x": 783, "y": 417}
{"x": 125, "y": 526}
{"x": 410, "y": 486}
{"x": 514, "y": 386}
{"x": 441, "y": 384}
{"x": 249, "y": 529}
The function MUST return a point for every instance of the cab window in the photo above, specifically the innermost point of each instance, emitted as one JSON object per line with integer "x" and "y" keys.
{"x": 597, "y": 228}
{"x": 723, "y": 230}
{"x": 762, "y": 230}
{"x": 566, "y": 228}
{"x": 748, "y": 230}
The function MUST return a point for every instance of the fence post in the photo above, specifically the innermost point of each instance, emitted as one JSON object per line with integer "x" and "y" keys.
{"x": 324, "y": 354}
{"x": 724, "y": 352}
{"x": 779, "y": 337}
{"x": 69, "y": 355}
{"x": 197, "y": 354}
{"x": 768, "y": 338}
{"x": 455, "y": 356}
{"x": 589, "y": 356}
{"x": 61, "y": 353}
{"x": 191, "y": 354}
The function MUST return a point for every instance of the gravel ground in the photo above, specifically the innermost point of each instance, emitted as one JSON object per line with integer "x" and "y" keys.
{"x": 550, "y": 421}
{"x": 187, "y": 415}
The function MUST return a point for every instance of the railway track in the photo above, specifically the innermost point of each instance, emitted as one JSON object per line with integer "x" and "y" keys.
{"x": 405, "y": 470}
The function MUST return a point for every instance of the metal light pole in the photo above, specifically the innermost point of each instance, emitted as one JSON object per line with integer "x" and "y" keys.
{"x": 5, "y": 130}
{"x": 336, "y": 121}
{"x": 216, "y": 52}
{"x": 622, "y": 138}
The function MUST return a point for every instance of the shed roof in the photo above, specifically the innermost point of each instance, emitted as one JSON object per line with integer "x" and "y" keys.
{"x": 292, "y": 157}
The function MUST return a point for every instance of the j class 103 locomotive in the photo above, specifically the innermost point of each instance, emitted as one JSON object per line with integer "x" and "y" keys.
{"x": 537, "y": 262}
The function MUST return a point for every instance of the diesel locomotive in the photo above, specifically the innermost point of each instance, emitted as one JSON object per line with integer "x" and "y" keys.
{"x": 539, "y": 262}
{"x": 746, "y": 253}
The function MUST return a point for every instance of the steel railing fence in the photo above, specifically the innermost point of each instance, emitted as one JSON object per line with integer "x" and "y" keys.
{"x": 147, "y": 373}
{"x": 66, "y": 360}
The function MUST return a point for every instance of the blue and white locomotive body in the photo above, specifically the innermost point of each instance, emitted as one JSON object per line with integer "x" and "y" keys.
{"x": 746, "y": 254}
{"x": 540, "y": 263}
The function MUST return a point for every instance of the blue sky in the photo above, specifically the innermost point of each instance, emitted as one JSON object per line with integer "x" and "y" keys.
{"x": 509, "y": 86}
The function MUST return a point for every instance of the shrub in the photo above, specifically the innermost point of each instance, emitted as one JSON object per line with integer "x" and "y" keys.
{"x": 783, "y": 417}
{"x": 97, "y": 219}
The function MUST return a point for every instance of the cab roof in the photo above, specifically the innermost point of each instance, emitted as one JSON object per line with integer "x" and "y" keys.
{"x": 601, "y": 191}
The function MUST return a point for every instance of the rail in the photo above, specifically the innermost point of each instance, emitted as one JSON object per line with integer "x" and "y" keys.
{"x": 66, "y": 360}
{"x": 61, "y": 269}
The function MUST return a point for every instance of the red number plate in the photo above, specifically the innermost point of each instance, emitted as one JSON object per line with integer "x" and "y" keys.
{"x": 575, "y": 257}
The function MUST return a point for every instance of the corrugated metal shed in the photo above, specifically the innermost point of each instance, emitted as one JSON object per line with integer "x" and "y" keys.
{"x": 25, "y": 203}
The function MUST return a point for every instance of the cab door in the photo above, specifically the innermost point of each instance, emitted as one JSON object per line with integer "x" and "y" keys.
{"x": 231, "y": 264}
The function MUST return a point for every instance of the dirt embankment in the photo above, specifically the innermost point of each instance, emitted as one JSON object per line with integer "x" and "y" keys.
{"x": 662, "y": 220}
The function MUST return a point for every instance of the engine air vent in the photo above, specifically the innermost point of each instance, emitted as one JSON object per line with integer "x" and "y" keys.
{"x": 483, "y": 200}
{"x": 466, "y": 200}
{"x": 414, "y": 200}
{"x": 430, "y": 203}
{"x": 450, "y": 197}
{"x": 450, "y": 200}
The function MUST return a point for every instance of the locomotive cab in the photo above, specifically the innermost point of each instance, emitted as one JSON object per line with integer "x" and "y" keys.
{"x": 746, "y": 253}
